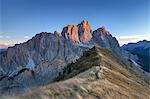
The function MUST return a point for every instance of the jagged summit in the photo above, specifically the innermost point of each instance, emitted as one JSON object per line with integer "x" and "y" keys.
{"x": 84, "y": 21}
{"x": 103, "y": 30}
{"x": 80, "y": 33}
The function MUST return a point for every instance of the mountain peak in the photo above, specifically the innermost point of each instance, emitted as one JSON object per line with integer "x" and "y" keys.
{"x": 78, "y": 32}
{"x": 103, "y": 30}
{"x": 84, "y": 22}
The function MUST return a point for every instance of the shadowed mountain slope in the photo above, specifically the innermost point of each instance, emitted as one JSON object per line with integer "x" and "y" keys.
{"x": 142, "y": 50}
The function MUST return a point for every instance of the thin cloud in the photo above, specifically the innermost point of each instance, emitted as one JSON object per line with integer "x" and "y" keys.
{"x": 1, "y": 36}
{"x": 7, "y": 37}
{"x": 134, "y": 38}
{"x": 4, "y": 36}
{"x": 26, "y": 37}
{"x": 4, "y": 46}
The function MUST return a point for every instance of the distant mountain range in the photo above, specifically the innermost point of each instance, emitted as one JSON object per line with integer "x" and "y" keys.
{"x": 142, "y": 50}
{"x": 3, "y": 46}
{"x": 42, "y": 59}
{"x": 2, "y": 50}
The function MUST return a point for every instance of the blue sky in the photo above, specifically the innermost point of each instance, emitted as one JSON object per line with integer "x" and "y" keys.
{"x": 22, "y": 19}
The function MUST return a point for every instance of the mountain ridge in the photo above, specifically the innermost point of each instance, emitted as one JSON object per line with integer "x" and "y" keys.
{"x": 41, "y": 58}
{"x": 97, "y": 74}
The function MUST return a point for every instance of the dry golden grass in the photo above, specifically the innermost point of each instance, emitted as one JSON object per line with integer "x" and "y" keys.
{"x": 99, "y": 74}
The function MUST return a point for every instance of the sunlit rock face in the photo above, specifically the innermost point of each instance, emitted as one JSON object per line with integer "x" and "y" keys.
{"x": 71, "y": 32}
{"x": 84, "y": 31}
{"x": 79, "y": 33}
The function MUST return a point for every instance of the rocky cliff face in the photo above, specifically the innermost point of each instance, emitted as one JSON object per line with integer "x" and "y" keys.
{"x": 102, "y": 38}
{"x": 36, "y": 61}
{"x": 80, "y": 33}
{"x": 40, "y": 59}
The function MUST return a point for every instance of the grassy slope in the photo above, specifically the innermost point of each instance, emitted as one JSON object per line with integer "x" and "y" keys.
{"x": 97, "y": 74}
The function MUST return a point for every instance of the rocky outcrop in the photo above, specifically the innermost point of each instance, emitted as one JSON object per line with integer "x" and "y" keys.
{"x": 82, "y": 33}
{"x": 102, "y": 38}
{"x": 79, "y": 33}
